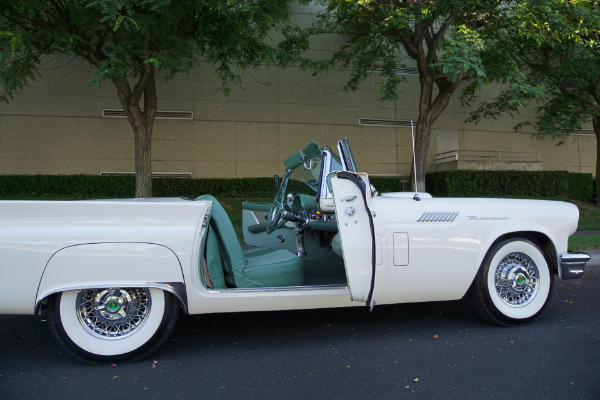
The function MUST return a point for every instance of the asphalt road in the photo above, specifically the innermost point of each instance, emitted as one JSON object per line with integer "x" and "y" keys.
{"x": 422, "y": 351}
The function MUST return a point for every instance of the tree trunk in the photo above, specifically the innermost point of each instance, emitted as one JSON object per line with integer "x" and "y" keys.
{"x": 143, "y": 161}
{"x": 142, "y": 123}
{"x": 429, "y": 110}
{"x": 422, "y": 138}
{"x": 143, "y": 144}
{"x": 596, "y": 124}
{"x": 423, "y": 131}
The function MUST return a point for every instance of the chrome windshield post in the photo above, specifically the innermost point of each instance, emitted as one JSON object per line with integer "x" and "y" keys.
{"x": 346, "y": 155}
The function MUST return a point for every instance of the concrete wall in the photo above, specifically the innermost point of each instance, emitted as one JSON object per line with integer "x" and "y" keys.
{"x": 55, "y": 126}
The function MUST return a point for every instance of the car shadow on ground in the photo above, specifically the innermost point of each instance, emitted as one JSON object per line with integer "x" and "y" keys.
{"x": 255, "y": 330}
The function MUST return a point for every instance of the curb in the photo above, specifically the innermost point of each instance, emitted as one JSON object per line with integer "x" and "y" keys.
{"x": 587, "y": 233}
{"x": 595, "y": 260}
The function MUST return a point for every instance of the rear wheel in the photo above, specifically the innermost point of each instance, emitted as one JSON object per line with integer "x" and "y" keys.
{"x": 110, "y": 325}
{"x": 514, "y": 283}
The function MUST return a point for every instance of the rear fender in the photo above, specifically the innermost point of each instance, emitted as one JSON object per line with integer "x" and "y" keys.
{"x": 104, "y": 265}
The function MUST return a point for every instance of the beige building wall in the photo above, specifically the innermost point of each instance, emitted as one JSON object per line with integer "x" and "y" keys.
{"x": 56, "y": 125}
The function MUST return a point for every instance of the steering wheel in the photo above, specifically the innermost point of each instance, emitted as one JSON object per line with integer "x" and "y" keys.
{"x": 277, "y": 213}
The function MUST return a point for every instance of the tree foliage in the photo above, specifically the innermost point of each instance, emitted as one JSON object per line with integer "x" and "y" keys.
{"x": 439, "y": 37}
{"x": 128, "y": 42}
{"x": 547, "y": 52}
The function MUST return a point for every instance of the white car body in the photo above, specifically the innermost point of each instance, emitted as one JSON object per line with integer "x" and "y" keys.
{"x": 423, "y": 249}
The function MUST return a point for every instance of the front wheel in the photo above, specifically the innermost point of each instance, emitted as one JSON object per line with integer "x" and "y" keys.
{"x": 112, "y": 325}
{"x": 514, "y": 283}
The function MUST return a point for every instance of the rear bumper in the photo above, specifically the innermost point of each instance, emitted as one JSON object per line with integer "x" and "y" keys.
{"x": 572, "y": 265}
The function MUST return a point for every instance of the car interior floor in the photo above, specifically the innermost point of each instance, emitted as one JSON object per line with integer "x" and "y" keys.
{"x": 326, "y": 268}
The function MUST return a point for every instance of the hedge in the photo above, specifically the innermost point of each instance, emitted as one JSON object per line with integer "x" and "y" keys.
{"x": 94, "y": 186}
{"x": 218, "y": 187}
{"x": 66, "y": 186}
{"x": 581, "y": 187}
{"x": 455, "y": 183}
{"x": 385, "y": 184}
{"x": 475, "y": 183}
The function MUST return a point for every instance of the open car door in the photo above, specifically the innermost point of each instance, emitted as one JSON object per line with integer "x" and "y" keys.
{"x": 351, "y": 193}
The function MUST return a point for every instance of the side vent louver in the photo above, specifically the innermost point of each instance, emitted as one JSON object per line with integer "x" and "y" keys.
{"x": 437, "y": 217}
{"x": 119, "y": 113}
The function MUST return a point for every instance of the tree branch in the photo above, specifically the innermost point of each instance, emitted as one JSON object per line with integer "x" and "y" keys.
{"x": 432, "y": 47}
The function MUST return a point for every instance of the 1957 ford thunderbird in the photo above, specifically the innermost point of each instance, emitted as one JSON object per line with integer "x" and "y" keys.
{"x": 112, "y": 276}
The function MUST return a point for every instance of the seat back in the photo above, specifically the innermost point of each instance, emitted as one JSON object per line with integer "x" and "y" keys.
{"x": 232, "y": 257}
{"x": 213, "y": 262}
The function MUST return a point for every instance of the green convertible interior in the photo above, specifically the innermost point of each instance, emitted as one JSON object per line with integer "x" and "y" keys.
{"x": 269, "y": 261}
{"x": 230, "y": 266}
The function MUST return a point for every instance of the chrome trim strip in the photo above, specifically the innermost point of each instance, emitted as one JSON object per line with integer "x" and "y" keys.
{"x": 254, "y": 216}
{"x": 575, "y": 257}
{"x": 177, "y": 289}
{"x": 340, "y": 287}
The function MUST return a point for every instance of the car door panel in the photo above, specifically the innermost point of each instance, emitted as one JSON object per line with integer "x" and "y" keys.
{"x": 355, "y": 225}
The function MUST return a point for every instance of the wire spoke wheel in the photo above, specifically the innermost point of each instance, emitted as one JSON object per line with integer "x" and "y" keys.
{"x": 517, "y": 279}
{"x": 113, "y": 313}
{"x": 514, "y": 283}
{"x": 112, "y": 324}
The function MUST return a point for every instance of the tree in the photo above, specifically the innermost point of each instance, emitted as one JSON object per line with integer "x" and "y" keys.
{"x": 547, "y": 52}
{"x": 129, "y": 42}
{"x": 440, "y": 37}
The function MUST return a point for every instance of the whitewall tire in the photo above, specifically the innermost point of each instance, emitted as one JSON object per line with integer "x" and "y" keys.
{"x": 112, "y": 324}
{"x": 514, "y": 283}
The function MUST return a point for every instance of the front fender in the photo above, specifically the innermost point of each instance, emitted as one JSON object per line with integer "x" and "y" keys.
{"x": 554, "y": 242}
{"x": 101, "y": 265}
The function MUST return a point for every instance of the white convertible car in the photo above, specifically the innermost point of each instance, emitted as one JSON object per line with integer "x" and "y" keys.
{"x": 112, "y": 276}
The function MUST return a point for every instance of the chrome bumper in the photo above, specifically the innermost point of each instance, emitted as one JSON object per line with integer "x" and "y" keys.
{"x": 572, "y": 264}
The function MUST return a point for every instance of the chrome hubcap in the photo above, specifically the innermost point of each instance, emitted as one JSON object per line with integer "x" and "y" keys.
{"x": 517, "y": 279}
{"x": 113, "y": 313}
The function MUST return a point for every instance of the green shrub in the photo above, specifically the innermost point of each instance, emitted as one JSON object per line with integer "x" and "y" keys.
{"x": 386, "y": 184}
{"x": 581, "y": 187}
{"x": 95, "y": 186}
{"x": 218, "y": 187}
{"x": 455, "y": 183}
{"x": 475, "y": 183}
{"x": 66, "y": 186}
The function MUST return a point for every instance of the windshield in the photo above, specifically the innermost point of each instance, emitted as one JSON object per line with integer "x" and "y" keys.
{"x": 305, "y": 177}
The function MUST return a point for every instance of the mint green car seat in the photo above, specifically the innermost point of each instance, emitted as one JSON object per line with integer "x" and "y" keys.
{"x": 230, "y": 266}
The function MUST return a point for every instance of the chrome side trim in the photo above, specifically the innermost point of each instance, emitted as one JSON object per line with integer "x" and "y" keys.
{"x": 177, "y": 289}
{"x": 571, "y": 265}
{"x": 341, "y": 288}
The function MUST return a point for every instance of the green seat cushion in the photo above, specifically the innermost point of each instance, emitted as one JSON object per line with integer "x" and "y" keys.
{"x": 273, "y": 267}
{"x": 256, "y": 267}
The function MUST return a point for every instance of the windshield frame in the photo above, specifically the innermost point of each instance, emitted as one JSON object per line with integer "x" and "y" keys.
{"x": 328, "y": 158}
{"x": 326, "y": 169}
{"x": 347, "y": 157}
